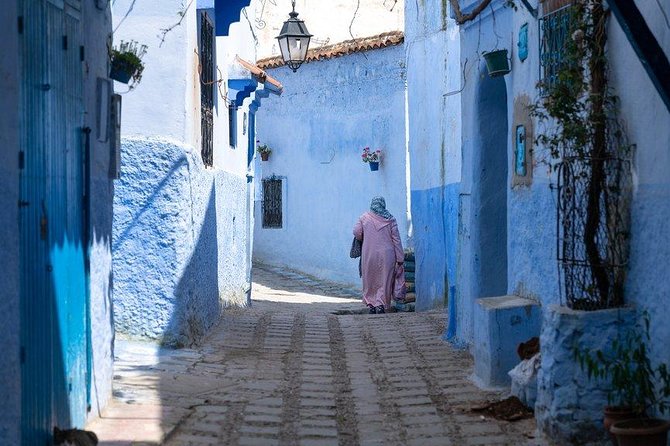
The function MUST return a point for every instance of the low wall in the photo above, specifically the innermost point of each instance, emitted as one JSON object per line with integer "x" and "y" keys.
{"x": 180, "y": 242}
{"x": 569, "y": 407}
{"x": 501, "y": 324}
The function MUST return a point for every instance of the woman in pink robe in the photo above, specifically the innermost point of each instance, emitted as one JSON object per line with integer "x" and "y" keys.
{"x": 382, "y": 253}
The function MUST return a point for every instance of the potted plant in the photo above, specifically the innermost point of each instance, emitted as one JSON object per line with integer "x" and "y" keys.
{"x": 637, "y": 389}
{"x": 497, "y": 63}
{"x": 264, "y": 150}
{"x": 126, "y": 62}
{"x": 372, "y": 158}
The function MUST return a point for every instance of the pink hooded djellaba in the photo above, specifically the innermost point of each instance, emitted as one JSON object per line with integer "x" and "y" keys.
{"x": 382, "y": 249}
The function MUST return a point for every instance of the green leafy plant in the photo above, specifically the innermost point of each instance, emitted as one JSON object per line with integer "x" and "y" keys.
{"x": 128, "y": 58}
{"x": 582, "y": 134}
{"x": 635, "y": 383}
{"x": 263, "y": 149}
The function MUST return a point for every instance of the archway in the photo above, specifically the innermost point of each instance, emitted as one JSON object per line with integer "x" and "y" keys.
{"x": 490, "y": 184}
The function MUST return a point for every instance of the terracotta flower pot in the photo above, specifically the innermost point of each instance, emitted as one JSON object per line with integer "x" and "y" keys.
{"x": 612, "y": 414}
{"x": 265, "y": 156}
{"x": 641, "y": 432}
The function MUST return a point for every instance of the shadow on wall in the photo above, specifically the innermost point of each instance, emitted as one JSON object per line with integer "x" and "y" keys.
{"x": 198, "y": 304}
{"x": 148, "y": 203}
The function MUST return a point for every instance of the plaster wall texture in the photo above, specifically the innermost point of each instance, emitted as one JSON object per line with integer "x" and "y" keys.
{"x": 99, "y": 25}
{"x": 569, "y": 405}
{"x": 501, "y": 324}
{"x": 168, "y": 92}
{"x": 328, "y": 112}
{"x": 181, "y": 231}
{"x": 10, "y": 368}
{"x": 178, "y": 231}
{"x": 434, "y": 140}
{"x": 647, "y": 121}
{"x": 484, "y": 192}
{"x": 366, "y": 19}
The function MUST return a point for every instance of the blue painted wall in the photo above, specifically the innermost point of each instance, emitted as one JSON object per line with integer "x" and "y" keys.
{"x": 98, "y": 23}
{"x": 329, "y": 111}
{"x": 434, "y": 134}
{"x": 531, "y": 209}
{"x": 99, "y": 285}
{"x": 181, "y": 231}
{"x": 648, "y": 125}
{"x": 10, "y": 368}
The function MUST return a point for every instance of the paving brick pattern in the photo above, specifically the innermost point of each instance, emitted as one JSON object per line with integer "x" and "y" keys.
{"x": 301, "y": 367}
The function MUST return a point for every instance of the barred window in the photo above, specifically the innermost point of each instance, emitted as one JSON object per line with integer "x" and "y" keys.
{"x": 554, "y": 34}
{"x": 272, "y": 202}
{"x": 207, "y": 89}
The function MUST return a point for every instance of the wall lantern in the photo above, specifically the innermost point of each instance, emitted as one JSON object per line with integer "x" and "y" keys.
{"x": 294, "y": 40}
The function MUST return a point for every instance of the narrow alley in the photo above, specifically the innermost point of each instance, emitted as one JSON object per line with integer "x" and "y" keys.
{"x": 301, "y": 367}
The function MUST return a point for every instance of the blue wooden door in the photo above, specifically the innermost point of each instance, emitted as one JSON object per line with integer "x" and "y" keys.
{"x": 53, "y": 273}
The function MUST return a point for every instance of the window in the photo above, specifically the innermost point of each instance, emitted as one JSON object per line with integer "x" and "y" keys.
{"x": 554, "y": 32}
{"x": 207, "y": 89}
{"x": 272, "y": 202}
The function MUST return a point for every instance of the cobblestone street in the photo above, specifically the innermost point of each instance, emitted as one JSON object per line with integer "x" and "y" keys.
{"x": 300, "y": 367}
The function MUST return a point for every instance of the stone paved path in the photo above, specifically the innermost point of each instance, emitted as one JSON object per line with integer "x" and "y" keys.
{"x": 300, "y": 368}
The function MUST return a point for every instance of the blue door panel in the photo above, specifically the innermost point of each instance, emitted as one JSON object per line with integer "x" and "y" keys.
{"x": 53, "y": 273}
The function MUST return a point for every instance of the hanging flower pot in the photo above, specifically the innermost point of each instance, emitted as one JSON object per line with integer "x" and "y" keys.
{"x": 497, "y": 63}
{"x": 121, "y": 72}
{"x": 372, "y": 158}
{"x": 126, "y": 62}
{"x": 263, "y": 150}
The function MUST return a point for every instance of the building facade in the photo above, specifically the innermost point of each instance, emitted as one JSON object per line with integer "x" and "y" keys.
{"x": 495, "y": 243}
{"x": 183, "y": 207}
{"x": 314, "y": 186}
{"x": 56, "y": 126}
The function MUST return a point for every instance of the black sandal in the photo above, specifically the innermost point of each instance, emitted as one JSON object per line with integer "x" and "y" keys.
{"x": 380, "y": 309}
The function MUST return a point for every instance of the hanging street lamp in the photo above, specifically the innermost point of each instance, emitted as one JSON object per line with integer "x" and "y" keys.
{"x": 294, "y": 40}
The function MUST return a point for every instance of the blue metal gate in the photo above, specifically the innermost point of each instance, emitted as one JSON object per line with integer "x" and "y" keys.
{"x": 53, "y": 273}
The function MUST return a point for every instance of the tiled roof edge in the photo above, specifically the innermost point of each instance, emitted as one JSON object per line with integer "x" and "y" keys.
{"x": 382, "y": 40}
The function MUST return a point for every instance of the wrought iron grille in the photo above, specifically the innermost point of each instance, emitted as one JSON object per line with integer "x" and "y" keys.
{"x": 207, "y": 89}
{"x": 272, "y": 203}
{"x": 554, "y": 32}
{"x": 589, "y": 284}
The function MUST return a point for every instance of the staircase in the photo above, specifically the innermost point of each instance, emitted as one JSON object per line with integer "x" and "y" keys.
{"x": 410, "y": 297}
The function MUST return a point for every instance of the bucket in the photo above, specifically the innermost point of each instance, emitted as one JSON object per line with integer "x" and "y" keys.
{"x": 497, "y": 63}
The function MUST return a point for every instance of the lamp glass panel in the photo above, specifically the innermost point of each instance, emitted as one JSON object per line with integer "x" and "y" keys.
{"x": 283, "y": 47}
{"x": 296, "y": 48}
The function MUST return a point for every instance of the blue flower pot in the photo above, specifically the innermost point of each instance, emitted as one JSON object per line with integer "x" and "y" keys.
{"x": 374, "y": 165}
{"x": 121, "y": 72}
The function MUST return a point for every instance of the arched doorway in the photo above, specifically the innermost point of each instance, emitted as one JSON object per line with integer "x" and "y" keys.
{"x": 490, "y": 187}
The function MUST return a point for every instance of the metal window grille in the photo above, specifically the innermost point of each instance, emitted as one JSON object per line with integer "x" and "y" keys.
{"x": 554, "y": 33}
{"x": 272, "y": 203}
{"x": 207, "y": 89}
